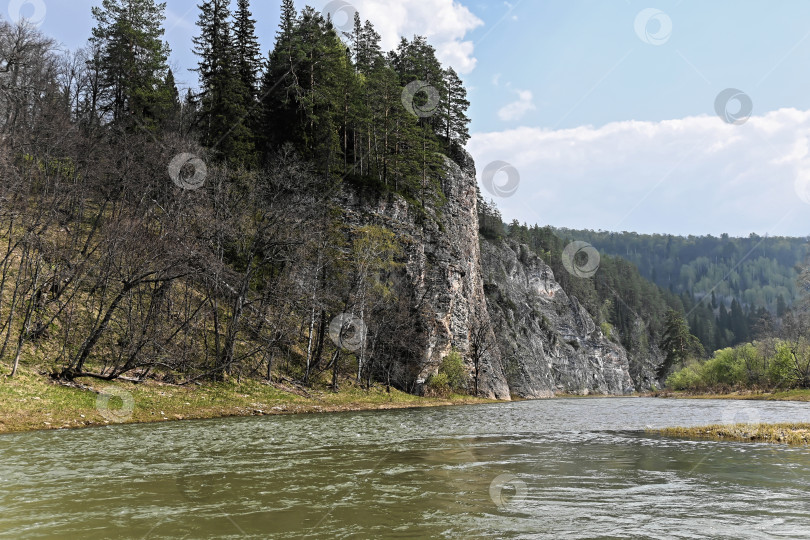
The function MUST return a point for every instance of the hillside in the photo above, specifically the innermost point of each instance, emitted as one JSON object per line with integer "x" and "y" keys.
{"x": 725, "y": 284}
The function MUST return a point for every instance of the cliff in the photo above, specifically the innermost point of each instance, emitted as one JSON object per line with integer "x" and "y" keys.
{"x": 546, "y": 342}
{"x": 442, "y": 271}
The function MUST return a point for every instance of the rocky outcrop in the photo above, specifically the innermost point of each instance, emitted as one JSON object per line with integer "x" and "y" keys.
{"x": 548, "y": 342}
{"x": 442, "y": 269}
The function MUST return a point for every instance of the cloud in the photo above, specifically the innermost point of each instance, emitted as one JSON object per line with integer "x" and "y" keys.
{"x": 695, "y": 175}
{"x": 444, "y": 23}
{"x": 517, "y": 109}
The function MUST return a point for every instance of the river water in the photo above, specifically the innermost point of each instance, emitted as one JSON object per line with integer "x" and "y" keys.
{"x": 565, "y": 468}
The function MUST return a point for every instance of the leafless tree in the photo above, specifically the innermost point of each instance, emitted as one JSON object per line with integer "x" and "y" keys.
{"x": 481, "y": 345}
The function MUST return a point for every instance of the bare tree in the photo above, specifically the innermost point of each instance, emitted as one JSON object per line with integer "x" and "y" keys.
{"x": 481, "y": 345}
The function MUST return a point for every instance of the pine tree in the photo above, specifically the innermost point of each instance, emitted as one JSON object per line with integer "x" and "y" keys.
{"x": 248, "y": 52}
{"x": 167, "y": 109}
{"x": 781, "y": 306}
{"x": 305, "y": 88}
{"x": 132, "y": 59}
{"x": 281, "y": 118}
{"x": 222, "y": 112}
{"x": 366, "y": 47}
{"x": 416, "y": 61}
{"x": 454, "y": 109}
{"x": 677, "y": 343}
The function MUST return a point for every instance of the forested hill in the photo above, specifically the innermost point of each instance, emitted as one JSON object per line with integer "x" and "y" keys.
{"x": 738, "y": 276}
{"x": 148, "y": 232}
{"x": 756, "y": 270}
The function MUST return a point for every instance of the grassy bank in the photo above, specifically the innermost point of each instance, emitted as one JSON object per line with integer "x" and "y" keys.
{"x": 778, "y": 395}
{"x": 32, "y": 401}
{"x": 798, "y": 433}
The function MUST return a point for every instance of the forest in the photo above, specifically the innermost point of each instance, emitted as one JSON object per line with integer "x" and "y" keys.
{"x": 237, "y": 262}
{"x": 733, "y": 288}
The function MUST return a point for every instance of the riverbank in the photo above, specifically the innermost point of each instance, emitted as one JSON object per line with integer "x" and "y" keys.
{"x": 32, "y": 401}
{"x": 796, "y": 433}
{"x": 781, "y": 395}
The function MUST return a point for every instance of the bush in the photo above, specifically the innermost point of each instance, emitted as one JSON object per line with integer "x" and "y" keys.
{"x": 752, "y": 366}
{"x": 453, "y": 368}
{"x": 688, "y": 378}
{"x": 438, "y": 382}
{"x": 720, "y": 370}
{"x": 780, "y": 369}
{"x": 452, "y": 376}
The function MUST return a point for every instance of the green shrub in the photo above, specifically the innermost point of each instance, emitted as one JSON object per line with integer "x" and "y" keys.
{"x": 688, "y": 378}
{"x": 438, "y": 382}
{"x": 453, "y": 368}
{"x": 767, "y": 364}
{"x": 780, "y": 368}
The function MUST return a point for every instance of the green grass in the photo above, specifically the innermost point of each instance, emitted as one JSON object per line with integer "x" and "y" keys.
{"x": 32, "y": 400}
{"x": 789, "y": 433}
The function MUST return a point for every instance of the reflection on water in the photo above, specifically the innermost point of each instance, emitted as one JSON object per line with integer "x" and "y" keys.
{"x": 546, "y": 469}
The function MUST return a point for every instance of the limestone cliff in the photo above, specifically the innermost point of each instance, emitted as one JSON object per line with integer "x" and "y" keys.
{"x": 442, "y": 270}
{"x": 548, "y": 342}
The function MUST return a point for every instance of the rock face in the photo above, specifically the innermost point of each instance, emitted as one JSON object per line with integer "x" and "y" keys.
{"x": 548, "y": 342}
{"x": 442, "y": 270}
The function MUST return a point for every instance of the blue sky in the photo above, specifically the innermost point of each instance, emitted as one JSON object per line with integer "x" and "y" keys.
{"x": 607, "y": 130}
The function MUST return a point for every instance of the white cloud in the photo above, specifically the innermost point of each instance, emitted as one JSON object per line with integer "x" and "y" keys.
{"x": 694, "y": 175}
{"x": 444, "y": 23}
{"x": 517, "y": 109}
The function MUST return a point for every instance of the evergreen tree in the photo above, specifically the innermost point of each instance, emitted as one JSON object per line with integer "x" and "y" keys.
{"x": 365, "y": 45}
{"x": 781, "y": 306}
{"x": 454, "y": 109}
{"x": 281, "y": 119}
{"x": 167, "y": 109}
{"x": 131, "y": 60}
{"x": 677, "y": 343}
{"x": 305, "y": 88}
{"x": 248, "y": 52}
{"x": 222, "y": 112}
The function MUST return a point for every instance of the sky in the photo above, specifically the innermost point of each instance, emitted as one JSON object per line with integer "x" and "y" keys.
{"x": 675, "y": 116}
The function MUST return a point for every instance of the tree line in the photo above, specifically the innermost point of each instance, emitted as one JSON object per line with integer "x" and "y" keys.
{"x": 734, "y": 289}
{"x": 144, "y": 233}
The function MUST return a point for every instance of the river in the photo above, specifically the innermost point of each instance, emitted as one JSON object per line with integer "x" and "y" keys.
{"x": 564, "y": 468}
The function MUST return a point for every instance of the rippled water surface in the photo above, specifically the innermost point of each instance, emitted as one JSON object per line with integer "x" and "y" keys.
{"x": 567, "y": 468}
